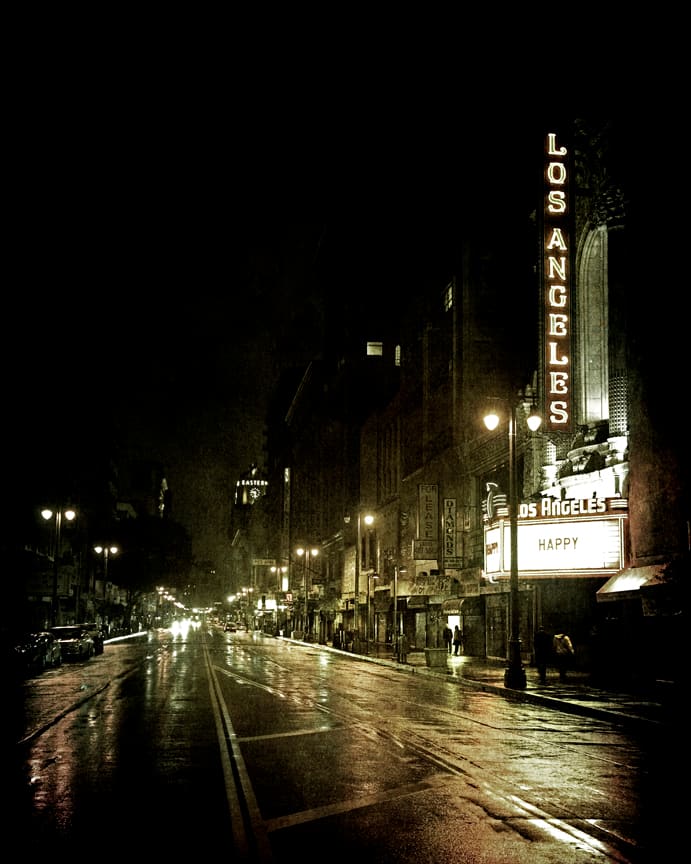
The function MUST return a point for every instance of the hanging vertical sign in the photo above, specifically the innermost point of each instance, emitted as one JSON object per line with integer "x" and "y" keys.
{"x": 450, "y": 528}
{"x": 426, "y": 544}
{"x": 556, "y": 273}
{"x": 428, "y": 512}
{"x": 450, "y": 535}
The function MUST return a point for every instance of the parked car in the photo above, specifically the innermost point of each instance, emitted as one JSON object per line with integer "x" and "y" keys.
{"x": 75, "y": 641}
{"x": 34, "y": 652}
{"x": 96, "y": 634}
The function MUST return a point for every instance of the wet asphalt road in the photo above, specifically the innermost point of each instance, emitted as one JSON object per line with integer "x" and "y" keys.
{"x": 268, "y": 750}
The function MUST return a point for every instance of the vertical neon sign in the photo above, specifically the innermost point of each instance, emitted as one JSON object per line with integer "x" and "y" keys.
{"x": 557, "y": 286}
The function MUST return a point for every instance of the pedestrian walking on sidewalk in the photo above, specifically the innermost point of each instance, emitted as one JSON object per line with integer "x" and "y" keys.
{"x": 457, "y": 640}
{"x": 543, "y": 652}
{"x": 563, "y": 653}
{"x": 448, "y": 636}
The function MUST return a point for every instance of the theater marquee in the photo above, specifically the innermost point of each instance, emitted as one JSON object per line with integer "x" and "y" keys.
{"x": 587, "y": 541}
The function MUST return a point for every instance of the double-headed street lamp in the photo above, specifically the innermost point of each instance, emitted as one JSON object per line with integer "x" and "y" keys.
{"x": 280, "y": 587}
{"x": 69, "y": 515}
{"x": 368, "y": 519}
{"x": 281, "y": 572}
{"x": 514, "y": 676}
{"x": 106, "y": 551}
{"x": 307, "y": 553}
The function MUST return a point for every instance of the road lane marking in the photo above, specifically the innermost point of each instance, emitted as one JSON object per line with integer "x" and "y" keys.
{"x": 246, "y": 820}
{"x": 386, "y": 796}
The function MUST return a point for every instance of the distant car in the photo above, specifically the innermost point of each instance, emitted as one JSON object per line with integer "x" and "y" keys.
{"x": 233, "y": 626}
{"x": 96, "y": 634}
{"x": 37, "y": 651}
{"x": 75, "y": 641}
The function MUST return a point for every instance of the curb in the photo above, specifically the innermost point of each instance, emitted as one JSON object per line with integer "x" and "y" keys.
{"x": 609, "y": 714}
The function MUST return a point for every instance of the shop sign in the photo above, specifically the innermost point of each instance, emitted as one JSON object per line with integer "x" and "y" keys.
{"x": 423, "y": 549}
{"x": 430, "y": 584}
{"x": 450, "y": 552}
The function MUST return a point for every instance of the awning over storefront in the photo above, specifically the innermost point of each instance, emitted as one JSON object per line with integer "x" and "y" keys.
{"x": 626, "y": 584}
{"x": 452, "y": 606}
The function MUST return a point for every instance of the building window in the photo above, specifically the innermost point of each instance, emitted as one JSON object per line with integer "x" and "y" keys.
{"x": 375, "y": 349}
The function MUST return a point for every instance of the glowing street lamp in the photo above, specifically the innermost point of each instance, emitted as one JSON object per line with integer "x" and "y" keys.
{"x": 307, "y": 553}
{"x": 106, "y": 552}
{"x": 368, "y": 519}
{"x": 514, "y": 675}
{"x": 282, "y": 574}
{"x": 57, "y": 515}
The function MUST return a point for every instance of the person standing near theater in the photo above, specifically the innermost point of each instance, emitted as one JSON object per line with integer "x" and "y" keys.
{"x": 457, "y": 640}
{"x": 448, "y": 635}
{"x": 563, "y": 653}
{"x": 543, "y": 651}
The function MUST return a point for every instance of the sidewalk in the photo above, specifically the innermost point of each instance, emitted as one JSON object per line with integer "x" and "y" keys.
{"x": 656, "y": 705}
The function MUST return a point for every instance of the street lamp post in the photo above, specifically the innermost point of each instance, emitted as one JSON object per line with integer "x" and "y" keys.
{"x": 280, "y": 571}
{"x": 160, "y": 590}
{"x": 247, "y": 606}
{"x": 106, "y": 551}
{"x": 70, "y": 515}
{"x": 308, "y": 553}
{"x": 396, "y": 627}
{"x": 368, "y": 520}
{"x": 370, "y": 577}
{"x": 514, "y": 676}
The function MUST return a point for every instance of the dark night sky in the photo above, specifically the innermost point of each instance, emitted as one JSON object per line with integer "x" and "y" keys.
{"x": 154, "y": 267}
{"x": 172, "y": 340}
{"x": 153, "y": 180}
